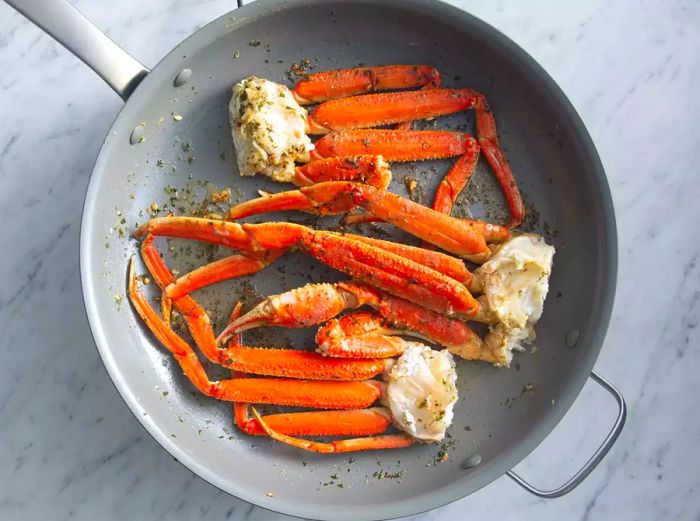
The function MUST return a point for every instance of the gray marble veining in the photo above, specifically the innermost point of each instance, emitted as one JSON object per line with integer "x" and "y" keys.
{"x": 69, "y": 447}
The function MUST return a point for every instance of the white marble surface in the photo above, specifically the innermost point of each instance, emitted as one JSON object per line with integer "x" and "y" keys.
{"x": 69, "y": 447}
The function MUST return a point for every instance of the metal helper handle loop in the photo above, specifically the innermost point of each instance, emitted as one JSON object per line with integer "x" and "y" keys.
{"x": 597, "y": 456}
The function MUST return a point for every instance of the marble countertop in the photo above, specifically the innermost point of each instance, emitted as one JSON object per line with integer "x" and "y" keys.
{"x": 70, "y": 448}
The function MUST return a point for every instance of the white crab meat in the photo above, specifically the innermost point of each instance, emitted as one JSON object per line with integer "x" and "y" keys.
{"x": 515, "y": 283}
{"x": 268, "y": 128}
{"x": 421, "y": 392}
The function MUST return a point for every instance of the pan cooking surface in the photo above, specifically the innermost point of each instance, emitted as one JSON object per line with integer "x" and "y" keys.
{"x": 501, "y": 414}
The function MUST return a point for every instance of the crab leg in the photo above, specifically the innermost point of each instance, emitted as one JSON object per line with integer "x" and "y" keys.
{"x": 493, "y": 233}
{"x": 194, "y": 315}
{"x": 441, "y": 262}
{"x": 367, "y": 168}
{"x": 376, "y": 266}
{"x": 373, "y": 110}
{"x": 292, "y": 363}
{"x": 410, "y": 146}
{"x": 289, "y": 363}
{"x": 455, "y": 180}
{"x": 359, "y": 335}
{"x": 314, "y": 304}
{"x": 227, "y": 268}
{"x": 394, "y": 145}
{"x": 358, "y": 422}
{"x": 445, "y": 264}
{"x": 367, "y": 334}
{"x": 281, "y": 391}
{"x": 390, "y": 441}
{"x": 457, "y": 236}
{"x": 341, "y": 83}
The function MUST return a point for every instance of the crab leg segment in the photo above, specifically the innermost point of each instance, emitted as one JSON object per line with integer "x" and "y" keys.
{"x": 367, "y": 168}
{"x": 396, "y": 275}
{"x": 358, "y": 422}
{"x": 454, "y": 235}
{"x": 390, "y": 441}
{"x": 281, "y": 391}
{"x": 288, "y": 363}
{"x": 291, "y": 363}
{"x": 445, "y": 264}
{"x": 395, "y": 145}
{"x": 341, "y": 83}
{"x": 196, "y": 318}
{"x": 306, "y": 306}
{"x": 455, "y": 180}
{"x": 311, "y": 305}
{"x": 376, "y": 266}
{"x": 368, "y": 334}
{"x": 227, "y": 268}
{"x": 375, "y": 110}
{"x": 358, "y": 335}
{"x": 488, "y": 139}
{"x": 492, "y": 233}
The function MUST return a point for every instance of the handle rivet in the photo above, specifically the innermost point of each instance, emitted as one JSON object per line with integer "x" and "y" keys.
{"x": 571, "y": 338}
{"x": 471, "y": 462}
{"x": 182, "y": 78}
{"x": 138, "y": 135}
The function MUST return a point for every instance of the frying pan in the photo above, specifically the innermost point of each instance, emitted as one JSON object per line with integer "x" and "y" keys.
{"x": 148, "y": 150}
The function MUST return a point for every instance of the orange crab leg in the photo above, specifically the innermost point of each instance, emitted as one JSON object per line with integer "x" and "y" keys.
{"x": 455, "y": 180}
{"x": 454, "y": 235}
{"x": 390, "y": 441}
{"x": 445, "y": 264}
{"x": 367, "y": 334}
{"x": 434, "y": 227}
{"x": 306, "y": 306}
{"x": 341, "y": 83}
{"x": 492, "y": 233}
{"x": 227, "y": 268}
{"x": 358, "y": 422}
{"x": 281, "y": 391}
{"x": 394, "y": 145}
{"x": 382, "y": 269}
{"x": 395, "y": 274}
{"x": 409, "y": 146}
{"x": 287, "y": 363}
{"x": 372, "y": 110}
{"x": 358, "y": 335}
{"x": 291, "y": 363}
{"x": 488, "y": 140}
{"x": 368, "y": 168}
{"x": 375, "y": 110}
{"x": 196, "y": 318}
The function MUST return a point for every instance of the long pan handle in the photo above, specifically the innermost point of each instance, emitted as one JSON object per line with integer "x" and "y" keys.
{"x": 76, "y": 33}
{"x": 597, "y": 456}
